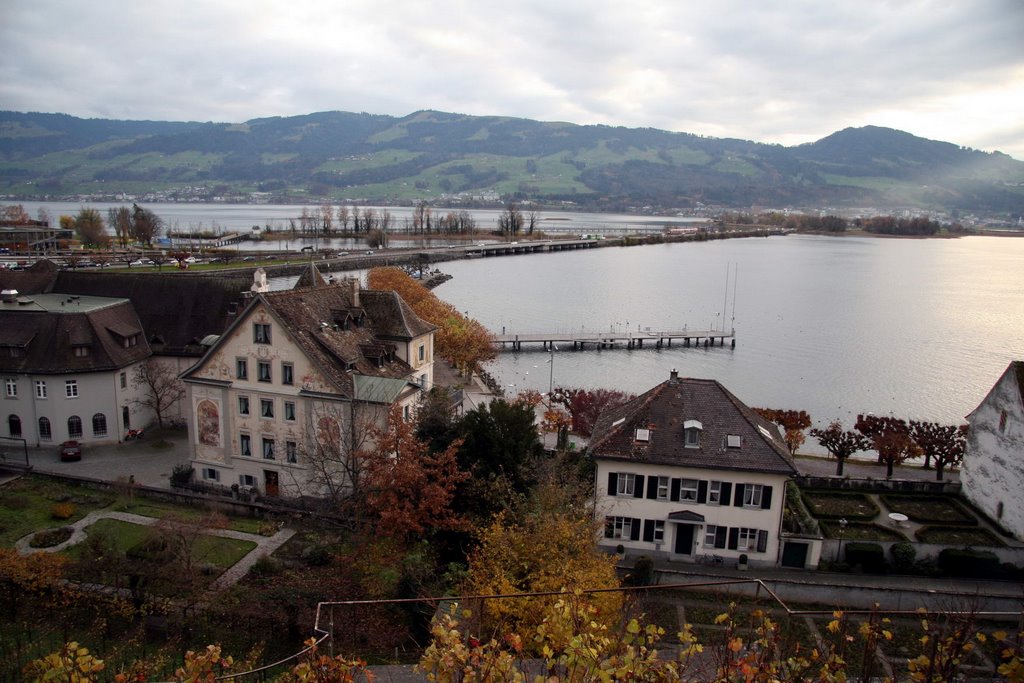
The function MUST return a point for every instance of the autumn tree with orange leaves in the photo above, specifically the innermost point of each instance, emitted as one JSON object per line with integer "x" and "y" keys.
{"x": 409, "y": 488}
{"x": 460, "y": 340}
{"x": 792, "y": 422}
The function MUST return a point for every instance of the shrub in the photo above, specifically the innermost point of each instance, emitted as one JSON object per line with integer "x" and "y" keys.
{"x": 968, "y": 563}
{"x": 181, "y": 475}
{"x": 868, "y": 555}
{"x": 903, "y": 556}
{"x": 62, "y": 511}
{"x": 266, "y": 566}
{"x": 643, "y": 571}
{"x": 316, "y": 556}
{"x": 51, "y": 537}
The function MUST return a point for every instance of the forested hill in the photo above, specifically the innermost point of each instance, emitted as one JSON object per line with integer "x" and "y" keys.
{"x": 439, "y": 156}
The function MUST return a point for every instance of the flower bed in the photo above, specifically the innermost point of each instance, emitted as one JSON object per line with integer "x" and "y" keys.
{"x": 833, "y": 505}
{"x": 929, "y": 509}
{"x": 51, "y": 537}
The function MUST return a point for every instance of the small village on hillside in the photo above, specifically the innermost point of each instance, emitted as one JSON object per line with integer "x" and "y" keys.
{"x": 192, "y": 459}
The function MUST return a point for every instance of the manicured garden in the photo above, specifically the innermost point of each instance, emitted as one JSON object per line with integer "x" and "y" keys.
{"x": 835, "y": 505}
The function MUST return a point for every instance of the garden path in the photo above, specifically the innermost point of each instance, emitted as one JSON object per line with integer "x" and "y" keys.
{"x": 265, "y": 545}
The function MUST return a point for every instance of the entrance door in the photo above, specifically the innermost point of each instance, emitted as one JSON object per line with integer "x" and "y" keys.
{"x": 794, "y": 555}
{"x": 684, "y": 539}
{"x": 126, "y": 418}
{"x": 270, "y": 483}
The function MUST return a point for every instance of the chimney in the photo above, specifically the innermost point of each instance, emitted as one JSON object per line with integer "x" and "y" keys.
{"x": 354, "y": 285}
{"x": 9, "y": 296}
{"x": 673, "y": 376}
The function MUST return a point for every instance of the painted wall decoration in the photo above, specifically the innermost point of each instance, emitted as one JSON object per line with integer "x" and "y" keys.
{"x": 208, "y": 423}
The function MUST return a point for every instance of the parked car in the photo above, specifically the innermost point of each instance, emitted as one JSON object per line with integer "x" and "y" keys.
{"x": 70, "y": 451}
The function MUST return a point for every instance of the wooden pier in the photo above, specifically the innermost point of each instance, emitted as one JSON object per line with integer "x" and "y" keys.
{"x": 630, "y": 339}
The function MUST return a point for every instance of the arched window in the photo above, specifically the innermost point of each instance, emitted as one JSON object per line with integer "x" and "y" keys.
{"x": 99, "y": 424}
{"x": 44, "y": 429}
{"x": 74, "y": 427}
{"x": 14, "y": 425}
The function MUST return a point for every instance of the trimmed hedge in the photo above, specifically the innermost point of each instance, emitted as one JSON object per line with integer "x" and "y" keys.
{"x": 976, "y": 564}
{"x": 871, "y": 556}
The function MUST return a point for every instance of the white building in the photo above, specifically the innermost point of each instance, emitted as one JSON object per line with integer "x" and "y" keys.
{"x": 287, "y": 395}
{"x": 67, "y": 364}
{"x": 687, "y": 469}
{"x": 992, "y": 475}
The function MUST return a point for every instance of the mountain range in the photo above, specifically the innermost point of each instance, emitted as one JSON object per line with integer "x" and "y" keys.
{"x": 454, "y": 158}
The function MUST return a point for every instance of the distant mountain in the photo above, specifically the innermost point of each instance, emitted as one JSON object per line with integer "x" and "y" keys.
{"x": 445, "y": 157}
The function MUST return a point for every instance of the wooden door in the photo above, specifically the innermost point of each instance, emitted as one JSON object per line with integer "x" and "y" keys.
{"x": 684, "y": 539}
{"x": 270, "y": 487}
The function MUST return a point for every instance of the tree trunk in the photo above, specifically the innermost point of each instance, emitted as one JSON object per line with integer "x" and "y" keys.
{"x": 938, "y": 471}
{"x": 839, "y": 466}
{"x": 888, "y": 469}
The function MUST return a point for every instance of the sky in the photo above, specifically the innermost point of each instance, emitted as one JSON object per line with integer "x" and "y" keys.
{"x": 774, "y": 71}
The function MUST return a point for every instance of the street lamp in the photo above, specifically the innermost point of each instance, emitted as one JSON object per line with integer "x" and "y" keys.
{"x": 842, "y": 531}
{"x": 551, "y": 374}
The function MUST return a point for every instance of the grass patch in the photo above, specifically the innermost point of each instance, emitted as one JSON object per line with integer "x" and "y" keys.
{"x": 124, "y": 535}
{"x": 221, "y": 552}
{"x": 839, "y": 505}
{"x": 215, "y": 550}
{"x": 958, "y": 536}
{"x": 26, "y": 506}
{"x": 929, "y": 509}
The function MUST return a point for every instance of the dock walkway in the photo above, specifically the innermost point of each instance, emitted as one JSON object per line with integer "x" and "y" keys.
{"x": 580, "y": 339}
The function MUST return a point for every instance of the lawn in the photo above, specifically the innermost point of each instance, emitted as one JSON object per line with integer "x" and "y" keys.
{"x": 958, "y": 536}
{"x": 830, "y": 504}
{"x": 221, "y": 552}
{"x": 26, "y": 506}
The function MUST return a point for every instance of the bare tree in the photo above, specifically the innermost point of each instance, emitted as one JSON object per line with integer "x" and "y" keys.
{"x": 533, "y": 218}
{"x": 327, "y": 217}
{"x": 161, "y": 388}
{"x": 146, "y": 225}
{"x": 510, "y": 222}
{"x": 343, "y": 218}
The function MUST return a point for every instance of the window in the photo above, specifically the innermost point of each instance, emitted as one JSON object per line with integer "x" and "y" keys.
{"x": 261, "y": 333}
{"x": 246, "y": 480}
{"x": 289, "y": 411}
{"x": 406, "y": 413}
{"x": 287, "y": 373}
{"x": 691, "y": 433}
{"x": 263, "y": 371}
{"x": 688, "y": 489}
{"x": 12, "y": 388}
{"x": 715, "y": 493}
{"x": 733, "y": 441}
{"x": 40, "y": 389}
{"x": 245, "y": 444}
{"x": 99, "y": 424}
{"x": 210, "y": 474}
{"x": 243, "y": 405}
{"x": 268, "y": 449}
{"x": 291, "y": 451}
{"x": 422, "y": 352}
{"x": 124, "y": 380}
{"x": 747, "y": 539}
{"x": 709, "y": 535}
{"x": 659, "y": 531}
{"x": 643, "y": 435}
{"x": 626, "y": 484}
{"x": 44, "y": 429}
{"x": 74, "y": 427}
{"x": 71, "y": 388}
{"x": 752, "y": 495}
{"x": 423, "y": 381}
{"x": 14, "y": 426}
{"x": 241, "y": 368}
{"x": 80, "y": 351}
{"x": 266, "y": 407}
{"x": 662, "y": 488}
{"x": 618, "y": 527}
{"x": 1002, "y": 420}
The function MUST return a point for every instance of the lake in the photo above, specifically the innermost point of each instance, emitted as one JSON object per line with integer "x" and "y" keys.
{"x": 832, "y": 325}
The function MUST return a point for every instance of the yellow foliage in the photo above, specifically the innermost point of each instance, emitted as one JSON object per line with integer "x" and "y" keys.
{"x": 70, "y": 664}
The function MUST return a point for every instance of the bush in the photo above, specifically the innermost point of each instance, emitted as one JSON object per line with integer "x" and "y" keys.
{"x": 316, "y": 556}
{"x": 266, "y": 566}
{"x": 969, "y": 563}
{"x": 903, "y": 556}
{"x": 643, "y": 571}
{"x": 870, "y": 556}
{"x": 51, "y": 537}
{"x": 62, "y": 511}
{"x": 181, "y": 475}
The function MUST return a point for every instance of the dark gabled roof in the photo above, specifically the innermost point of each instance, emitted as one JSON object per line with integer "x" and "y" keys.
{"x": 36, "y": 279}
{"x": 308, "y": 317}
{"x": 663, "y": 411}
{"x": 391, "y": 317}
{"x": 310, "y": 277}
{"x": 41, "y": 339}
{"x": 177, "y": 310}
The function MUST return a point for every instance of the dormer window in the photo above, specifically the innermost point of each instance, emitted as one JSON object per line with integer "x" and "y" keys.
{"x": 80, "y": 351}
{"x": 691, "y": 433}
{"x": 733, "y": 441}
{"x": 643, "y": 435}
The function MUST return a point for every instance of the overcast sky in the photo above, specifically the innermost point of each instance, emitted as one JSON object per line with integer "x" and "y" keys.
{"x": 785, "y": 71}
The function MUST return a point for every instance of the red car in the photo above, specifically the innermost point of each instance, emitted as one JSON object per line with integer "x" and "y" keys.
{"x": 70, "y": 451}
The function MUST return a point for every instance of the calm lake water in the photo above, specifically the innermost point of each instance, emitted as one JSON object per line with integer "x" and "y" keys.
{"x": 835, "y": 326}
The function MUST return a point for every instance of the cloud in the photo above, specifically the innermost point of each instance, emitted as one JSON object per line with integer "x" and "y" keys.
{"x": 770, "y": 71}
